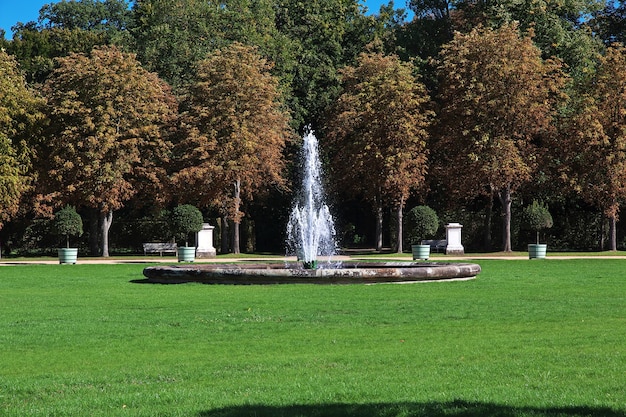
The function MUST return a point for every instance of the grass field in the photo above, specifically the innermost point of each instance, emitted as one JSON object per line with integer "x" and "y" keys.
{"x": 526, "y": 338}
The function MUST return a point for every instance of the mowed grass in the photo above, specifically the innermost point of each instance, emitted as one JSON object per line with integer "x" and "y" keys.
{"x": 526, "y": 338}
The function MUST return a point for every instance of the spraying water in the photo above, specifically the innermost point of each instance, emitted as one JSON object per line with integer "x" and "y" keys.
{"x": 311, "y": 229}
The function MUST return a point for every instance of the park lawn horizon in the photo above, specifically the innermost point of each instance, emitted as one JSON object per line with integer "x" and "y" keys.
{"x": 526, "y": 338}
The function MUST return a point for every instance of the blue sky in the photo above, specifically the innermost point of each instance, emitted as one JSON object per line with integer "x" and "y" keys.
{"x": 13, "y": 11}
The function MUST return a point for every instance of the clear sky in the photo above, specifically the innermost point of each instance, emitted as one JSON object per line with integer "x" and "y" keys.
{"x": 14, "y": 11}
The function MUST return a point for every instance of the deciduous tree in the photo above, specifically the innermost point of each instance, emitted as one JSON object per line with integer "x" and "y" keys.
{"x": 106, "y": 139}
{"x": 170, "y": 37}
{"x": 378, "y": 132}
{"x": 20, "y": 116}
{"x": 498, "y": 99}
{"x": 66, "y": 27}
{"x": 327, "y": 35}
{"x": 235, "y": 131}
{"x": 594, "y": 154}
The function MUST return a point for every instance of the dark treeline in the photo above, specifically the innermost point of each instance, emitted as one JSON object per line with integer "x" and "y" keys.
{"x": 476, "y": 109}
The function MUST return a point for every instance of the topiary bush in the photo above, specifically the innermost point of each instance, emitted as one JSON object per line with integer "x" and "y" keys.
{"x": 67, "y": 222}
{"x": 538, "y": 217}
{"x": 186, "y": 219}
{"x": 422, "y": 222}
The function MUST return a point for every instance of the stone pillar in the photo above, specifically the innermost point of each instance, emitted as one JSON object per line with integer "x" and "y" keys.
{"x": 453, "y": 236}
{"x": 204, "y": 242}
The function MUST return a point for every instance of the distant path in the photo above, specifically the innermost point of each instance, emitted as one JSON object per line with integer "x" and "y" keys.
{"x": 386, "y": 257}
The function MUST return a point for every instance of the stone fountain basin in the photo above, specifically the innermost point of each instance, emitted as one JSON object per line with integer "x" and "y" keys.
{"x": 293, "y": 273}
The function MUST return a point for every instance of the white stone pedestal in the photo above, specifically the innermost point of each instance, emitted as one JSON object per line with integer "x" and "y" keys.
{"x": 453, "y": 236}
{"x": 204, "y": 242}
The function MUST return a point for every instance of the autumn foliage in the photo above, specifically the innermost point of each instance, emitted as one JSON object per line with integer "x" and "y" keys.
{"x": 235, "y": 130}
{"x": 377, "y": 135}
{"x": 499, "y": 98}
{"x": 105, "y": 141}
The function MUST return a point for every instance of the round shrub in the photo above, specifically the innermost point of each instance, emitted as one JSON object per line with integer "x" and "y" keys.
{"x": 422, "y": 222}
{"x": 538, "y": 217}
{"x": 186, "y": 219}
{"x": 67, "y": 222}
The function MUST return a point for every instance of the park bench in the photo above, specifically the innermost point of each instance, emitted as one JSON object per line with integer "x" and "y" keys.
{"x": 159, "y": 248}
{"x": 436, "y": 245}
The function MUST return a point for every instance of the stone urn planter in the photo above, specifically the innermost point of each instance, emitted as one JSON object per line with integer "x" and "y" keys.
{"x": 68, "y": 255}
{"x": 186, "y": 253}
{"x": 537, "y": 251}
{"x": 420, "y": 251}
{"x": 67, "y": 222}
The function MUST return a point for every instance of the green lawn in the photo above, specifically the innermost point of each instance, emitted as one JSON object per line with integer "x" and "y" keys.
{"x": 526, "y": 338}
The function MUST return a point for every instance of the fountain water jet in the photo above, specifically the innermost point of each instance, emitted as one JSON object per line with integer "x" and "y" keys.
{"x": 311, "y": 228}
{"x": 311, "y": 233}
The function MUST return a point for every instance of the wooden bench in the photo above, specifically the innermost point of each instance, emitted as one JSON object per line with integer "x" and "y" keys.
{"x": 436, "y": 245}
{"x": 159, "y": 248}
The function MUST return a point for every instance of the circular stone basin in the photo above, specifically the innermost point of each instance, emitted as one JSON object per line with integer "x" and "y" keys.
{"x": 294, "y": 273}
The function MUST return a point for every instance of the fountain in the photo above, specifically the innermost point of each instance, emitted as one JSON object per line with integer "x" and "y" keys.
{"x": 310, "y": 235}
{"x": 311, "y": 229}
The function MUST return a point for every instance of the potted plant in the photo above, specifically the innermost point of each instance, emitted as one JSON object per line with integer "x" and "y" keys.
{"x": 538, "y": 218}
{"x": 67, "y": 222}
{"x": 186, "y": 219}
{"x": 422, "y": 223}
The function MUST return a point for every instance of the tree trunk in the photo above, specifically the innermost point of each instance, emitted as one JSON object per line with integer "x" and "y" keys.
{"x": 379, "y": 227}
{"x": 613, "y": 232}
{"x": 505, "y": 199}
{"x": 237, "y": 219}
{"x": 399, "y": 248}
{"x": 107, "y": 219}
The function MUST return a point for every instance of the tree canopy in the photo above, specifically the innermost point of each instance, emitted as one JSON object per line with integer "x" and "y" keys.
{"x": 235, "y": 131}
{"x": 250, "y": 73}
{"x": 595, "y": 149}
{"x": 381, "y": 121}
{"x": 105, "y": 139}
{"x": 498, "y": 99}
{"x": 20, "y": 114}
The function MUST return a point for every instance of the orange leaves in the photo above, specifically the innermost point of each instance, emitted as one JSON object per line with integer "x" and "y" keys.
{"x": 107, "y": 118}
{"x": 381, "y": 121}
{"x": 235, "y": 126}
{"x": 594, "y": 154}
{"x": 509, "y": 101}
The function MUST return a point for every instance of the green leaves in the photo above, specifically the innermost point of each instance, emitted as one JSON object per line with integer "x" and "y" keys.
{"x": 186, "y": 219}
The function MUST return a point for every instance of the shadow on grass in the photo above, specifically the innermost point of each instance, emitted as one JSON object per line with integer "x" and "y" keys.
{"x": 448, "y": 409}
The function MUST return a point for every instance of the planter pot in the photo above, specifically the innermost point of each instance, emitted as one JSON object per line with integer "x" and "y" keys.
{"x": 68, "y": 255}
{"x": 186, "y": 254}
{"x": 536, "y": 251}
{"x": 420, "y": 251}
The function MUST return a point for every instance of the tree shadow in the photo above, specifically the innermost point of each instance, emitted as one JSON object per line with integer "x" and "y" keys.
{"x": 457, "y": 408}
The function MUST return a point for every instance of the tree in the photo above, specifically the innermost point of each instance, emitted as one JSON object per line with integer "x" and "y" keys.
{"x": 111, "y": 16}
{"x": 66, "y": 27}
{"x": 538, "y": 217}
{"x": 235, "y": 131}
{"x": 377, "y": 134}
{"x": 35, "y": 49}
{"x": 171, "y": 37}
{"x": 186, "y": 219}
{"x": 610, "y": 22}
{"x": 327, "y": 35}
{"x": 20, "y": 116}
{"x": 67, "y": 222}
{"x": 106, "y": 140}
{"x": 498, "y": 99}
{"x": 595, "y": 153}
